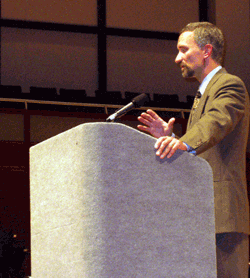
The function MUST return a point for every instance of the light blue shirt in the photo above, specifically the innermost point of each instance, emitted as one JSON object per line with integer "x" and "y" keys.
{"x": 207, "y": 79}
{"x": 202, "y": 89}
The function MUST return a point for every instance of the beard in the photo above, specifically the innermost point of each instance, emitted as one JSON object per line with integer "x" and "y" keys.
{"x": 186, "y": 71}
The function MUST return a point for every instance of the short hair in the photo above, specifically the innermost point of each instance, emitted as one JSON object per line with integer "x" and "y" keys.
{"x": 207, "y": 33}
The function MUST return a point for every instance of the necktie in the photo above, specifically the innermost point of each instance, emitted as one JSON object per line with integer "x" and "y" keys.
{"x": 195, "y": 105}
{"x": 197, "y": 100}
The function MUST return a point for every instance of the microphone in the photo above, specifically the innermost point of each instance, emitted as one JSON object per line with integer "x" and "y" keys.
{"x": 135, "y": 103}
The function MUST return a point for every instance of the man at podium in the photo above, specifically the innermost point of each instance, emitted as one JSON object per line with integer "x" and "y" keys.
{"x": 217, "y": 131}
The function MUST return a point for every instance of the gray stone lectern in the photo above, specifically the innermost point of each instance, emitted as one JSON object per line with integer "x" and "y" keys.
{"x": 103, "y": 205}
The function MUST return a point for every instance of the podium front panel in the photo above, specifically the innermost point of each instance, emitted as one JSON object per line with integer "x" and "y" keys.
{"x": 104, "y": 205}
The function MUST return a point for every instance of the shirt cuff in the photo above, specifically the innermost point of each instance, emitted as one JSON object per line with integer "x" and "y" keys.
{"x": 190, "y": 149}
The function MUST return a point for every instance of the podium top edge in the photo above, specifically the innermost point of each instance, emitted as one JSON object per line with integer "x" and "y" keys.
{"x": 96, "y": 125}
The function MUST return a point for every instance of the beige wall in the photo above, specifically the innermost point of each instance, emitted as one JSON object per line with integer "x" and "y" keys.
{"x": 156, "y": 15}
{"x": 153, "y": 15}
{"x": 80, "y": 12}
{"x": 48, "y": 59}
{"x": 143, "y": 65}
{"x": 234, "y": 19}
{"x": 69, "y": 60}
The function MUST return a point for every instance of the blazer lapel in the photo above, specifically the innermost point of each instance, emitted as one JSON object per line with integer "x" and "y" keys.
{"x": 213, "y": 80}
{"x": 196, "y": 115}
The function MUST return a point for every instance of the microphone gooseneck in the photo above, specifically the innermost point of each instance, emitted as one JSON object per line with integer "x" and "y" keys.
{"x": 136, "y": 102}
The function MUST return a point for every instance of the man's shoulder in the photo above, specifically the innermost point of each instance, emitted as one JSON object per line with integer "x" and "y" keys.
{"x": 222, "y": 75}
{"x": 224, "y": 79}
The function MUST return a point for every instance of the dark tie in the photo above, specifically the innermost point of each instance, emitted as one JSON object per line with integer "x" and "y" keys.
{"x": 195, "y": 105}
{"x": 197, "y": 100}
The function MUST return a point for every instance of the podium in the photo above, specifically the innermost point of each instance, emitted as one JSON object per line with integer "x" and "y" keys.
{"x": 103, "y": 205}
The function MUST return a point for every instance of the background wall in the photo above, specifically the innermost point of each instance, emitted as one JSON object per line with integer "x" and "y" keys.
{"x": 82, "y": 12}
{"x": 233, "y": 18}
{"x": 49, "y": 59}
{"x": 32, "y": 57}
{"x": 69, "y": 60}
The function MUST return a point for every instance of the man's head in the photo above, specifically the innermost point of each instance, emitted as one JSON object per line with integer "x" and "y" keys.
{"x": 201, "y": 47}
{"x": 207, "y": 33}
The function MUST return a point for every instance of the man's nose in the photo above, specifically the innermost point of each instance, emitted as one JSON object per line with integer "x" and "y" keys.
{"x": 178, "y": 58}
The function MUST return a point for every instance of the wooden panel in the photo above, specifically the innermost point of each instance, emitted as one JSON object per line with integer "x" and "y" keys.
{"x": 153, "y": 15}
{"x": 145, "y": 66}
{"x": 45, "y": 127}
{"x": 48, "y": 59}
{"x": 80, "y": 12}
{"x": 11, "y": 126}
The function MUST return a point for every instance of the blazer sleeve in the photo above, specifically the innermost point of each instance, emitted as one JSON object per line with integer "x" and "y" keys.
{"x": 223, "y": 108}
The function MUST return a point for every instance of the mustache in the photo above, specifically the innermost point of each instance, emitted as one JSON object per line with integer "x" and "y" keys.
{"x": 181, "y": 64}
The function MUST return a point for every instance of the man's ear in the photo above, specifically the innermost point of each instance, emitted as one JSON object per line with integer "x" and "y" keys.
{"x": 208, "y": 49}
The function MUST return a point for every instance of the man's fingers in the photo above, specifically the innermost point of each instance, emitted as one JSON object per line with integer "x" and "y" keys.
{"x": 172, "y": 150}
{"x": 153, "y": 114}
{"x": 167, "y": 146}
{"x": 142, "y": 127}
{"x": 149, "y": 117}
{"x": 145, "y": 118}
{"x": 168, "y": 150}
{"x": 159, "y": 142}
{"x": 171, "y": 121}
{"x": 162, "y": 145}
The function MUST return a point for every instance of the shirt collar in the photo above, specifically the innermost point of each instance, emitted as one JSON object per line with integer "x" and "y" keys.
{"x": 207, "y": 79}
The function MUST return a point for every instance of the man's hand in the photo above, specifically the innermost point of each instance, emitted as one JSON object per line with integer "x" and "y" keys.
{"x": 155, "y": 125}
{"x": 167, "y": 146}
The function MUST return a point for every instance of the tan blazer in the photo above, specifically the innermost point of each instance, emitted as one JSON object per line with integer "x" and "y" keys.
{"x": 218, "y": 131}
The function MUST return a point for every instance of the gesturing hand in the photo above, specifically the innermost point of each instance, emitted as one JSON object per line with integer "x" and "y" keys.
{"x": 167, "y": 146}
{"x": 155, "y": 125}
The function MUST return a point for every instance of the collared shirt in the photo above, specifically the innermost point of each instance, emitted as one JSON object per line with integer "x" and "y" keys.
{"x": 207, "y": 79}
{"x": 202, "y": 89}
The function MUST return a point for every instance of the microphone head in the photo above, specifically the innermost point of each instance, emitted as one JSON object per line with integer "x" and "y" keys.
{"x": 140, "y": 100}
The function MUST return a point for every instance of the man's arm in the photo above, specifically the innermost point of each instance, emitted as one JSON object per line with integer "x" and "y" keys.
{"x": 224, "y": 109}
